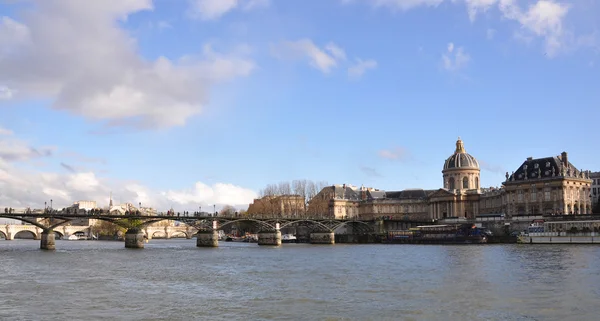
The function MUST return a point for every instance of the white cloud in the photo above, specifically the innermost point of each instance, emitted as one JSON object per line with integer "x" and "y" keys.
{"x": 5, "y": 132}
{"x": 475, "y": 7}
{"x": 99, "y": 74}
{"x": 31, "y": 188}
{"x": 455, "y": 58}
{"x": 322, "y": 59}
{"x": 14, "y": 149}
{"x": 6, "y": 93}
{"x": 360, "y": 67}
{"x": 404, "y": 4}
{"x": 214, "y": 9}
{"x": 543, "y": 19}
{"x": 396, "y": 153}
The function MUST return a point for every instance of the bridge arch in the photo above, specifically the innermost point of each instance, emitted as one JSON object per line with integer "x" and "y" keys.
{"x": 20, "y": 233}
{"x": 159, "y": 234}
{"x": 317, "y": 223}
{"x": 367, "y": 226}
{"x": 260, "y": 223}
{"x": 3, "y": 235}
{"x": 178, "y": 234}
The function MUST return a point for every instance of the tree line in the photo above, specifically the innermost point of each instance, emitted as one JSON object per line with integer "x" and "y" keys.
{"x": 289, "y": 199}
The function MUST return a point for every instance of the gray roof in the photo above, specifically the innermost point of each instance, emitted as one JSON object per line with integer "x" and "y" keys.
{"x": 461, "y": 160}
{"x": 542, "y": 168}
{"x": 341, "y": 192}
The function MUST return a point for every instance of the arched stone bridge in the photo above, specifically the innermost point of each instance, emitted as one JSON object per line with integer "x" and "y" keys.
{"x": 205, "y": 227}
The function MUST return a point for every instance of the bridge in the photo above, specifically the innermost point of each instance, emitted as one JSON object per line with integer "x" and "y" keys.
{"x": 45, "y": 226}
{"x": 10, "y": 231}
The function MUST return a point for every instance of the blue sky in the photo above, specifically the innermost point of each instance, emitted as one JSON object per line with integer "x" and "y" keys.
{"x": 180, "y": 103}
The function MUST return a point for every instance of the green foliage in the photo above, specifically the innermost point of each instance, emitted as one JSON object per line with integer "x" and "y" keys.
{"x": 128, "y": 223}
{"x": 105, "y": 228}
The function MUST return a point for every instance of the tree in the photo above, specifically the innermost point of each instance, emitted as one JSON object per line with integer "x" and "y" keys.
{"x": 286, "y": 199}
{"x": 227, "y": 211}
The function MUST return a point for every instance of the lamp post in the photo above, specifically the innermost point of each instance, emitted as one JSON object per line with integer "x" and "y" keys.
{"x": 215, "y": 209}
{"x": 200, "y": 212}
{"x": 51, "y": 205}
{"x": 45, "y": 207}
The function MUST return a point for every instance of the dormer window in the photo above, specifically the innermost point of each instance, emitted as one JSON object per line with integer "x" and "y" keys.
{"x": 547, "y": 164}
{"x": 536, "y": 165}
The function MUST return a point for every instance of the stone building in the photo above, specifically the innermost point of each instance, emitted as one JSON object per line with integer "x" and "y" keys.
{"x": 550, "y": 185}
{"x": 278, "y": 205}
{"x": 595, "y": 177}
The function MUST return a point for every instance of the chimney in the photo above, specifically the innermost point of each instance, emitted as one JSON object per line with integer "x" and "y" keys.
{"x": 564, "y": 159}
{"x": 529, "y": 159}
{"x": 344, "y": 186}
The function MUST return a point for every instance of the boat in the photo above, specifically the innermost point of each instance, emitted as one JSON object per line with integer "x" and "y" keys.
{"x": 73, "y": 237}
{"x": 561, "y": 232}
{"x": 440, "y": 234}
{"x": 288, "y": 238}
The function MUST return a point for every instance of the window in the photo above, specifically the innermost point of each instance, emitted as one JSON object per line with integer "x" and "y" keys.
{"x": 476, "y": 182}
{"x": 594, "y": 191}
{"x": 451, "y": 183}
{"x": 547, "y": 194}
{"x": 533, "y": 194}
{"x": 520, "y": 195}
{"x": 465, "y": 183}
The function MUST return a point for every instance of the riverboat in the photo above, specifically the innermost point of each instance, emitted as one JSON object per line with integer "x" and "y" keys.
{"x": 440, "y": 234}
{"x": 288, "y": 238}
{"x": 561, "y": 232}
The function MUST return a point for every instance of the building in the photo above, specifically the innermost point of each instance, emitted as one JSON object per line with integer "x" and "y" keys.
{"x": 550, "y": 185}
{"x": 279, "y": 205}
{"x": 595, "y": 177}
{"x": 84, "y": 205}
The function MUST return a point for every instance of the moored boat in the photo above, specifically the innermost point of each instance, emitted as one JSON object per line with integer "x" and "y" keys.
{"x": 440, "y": 234}
{"x": 561, "y": 232}
{"x": 288, "y": 238}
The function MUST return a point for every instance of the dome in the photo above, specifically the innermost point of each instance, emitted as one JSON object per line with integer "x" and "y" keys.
{"x": 461, "y": 159}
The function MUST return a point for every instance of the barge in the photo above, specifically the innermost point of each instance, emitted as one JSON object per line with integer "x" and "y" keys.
{"x": 561, "y": 232}
{"x": 440, "y": 234}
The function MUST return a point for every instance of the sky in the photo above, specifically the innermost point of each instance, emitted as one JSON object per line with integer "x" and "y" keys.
{"x": 187, "y": 103}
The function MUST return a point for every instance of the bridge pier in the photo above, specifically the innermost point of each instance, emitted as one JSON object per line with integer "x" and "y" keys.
{"x": 134, "y": 238}
{"x": 269, "y": 238}
{"x": 47, "y": 240}
{"x": 207, "y": 239}
{"x": 322, "y": 238}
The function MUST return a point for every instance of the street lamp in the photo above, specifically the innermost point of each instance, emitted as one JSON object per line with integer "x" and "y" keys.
{"x": 45, "y": 207}
{"x": 51, "y": 205}
{"x": 215, "y": 209}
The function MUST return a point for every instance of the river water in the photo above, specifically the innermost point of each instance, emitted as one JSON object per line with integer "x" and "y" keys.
{"x": 175, "y": 280}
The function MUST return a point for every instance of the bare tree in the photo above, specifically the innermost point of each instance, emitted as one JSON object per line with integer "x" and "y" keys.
{"x": 285, "y": 199}
{"x": 227, "y": 211}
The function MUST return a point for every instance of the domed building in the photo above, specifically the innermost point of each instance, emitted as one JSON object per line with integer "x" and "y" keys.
{"x": 461, "y": 170}
{"x": 460, "y": 194}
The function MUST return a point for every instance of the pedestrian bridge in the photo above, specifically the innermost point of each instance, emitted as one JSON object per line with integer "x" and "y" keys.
{"x": 10, "y": 231}
{"x": 48, "y": 225}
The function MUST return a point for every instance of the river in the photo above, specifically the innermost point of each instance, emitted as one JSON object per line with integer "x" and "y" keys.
{"x": 175, "y": 280}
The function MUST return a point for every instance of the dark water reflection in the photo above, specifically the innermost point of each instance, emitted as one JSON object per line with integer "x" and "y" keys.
{"x": 174, "y": 280}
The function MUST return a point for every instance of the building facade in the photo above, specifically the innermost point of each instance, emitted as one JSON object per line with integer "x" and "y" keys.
{"x": 278, "y": 205}
{"x": 550, "y": 185}
{"x": 595, "y": 177}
